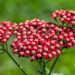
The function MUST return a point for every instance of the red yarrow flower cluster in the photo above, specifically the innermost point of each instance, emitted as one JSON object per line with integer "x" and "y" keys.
{"x": 68, "y": 34}
{"x": 37, "y": 39}
{"x": 6, "y": 31}
{"x": 64, "y": 16}
{"x": 65, "y": 35}
{"x": 68, "y": 37}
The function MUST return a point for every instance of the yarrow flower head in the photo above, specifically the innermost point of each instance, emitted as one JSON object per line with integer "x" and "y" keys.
{"x": 6, "y": 31}
{"x": 68, "y": 33}
{"x": 37, "y": 39}
{"x": 67, "y": 16}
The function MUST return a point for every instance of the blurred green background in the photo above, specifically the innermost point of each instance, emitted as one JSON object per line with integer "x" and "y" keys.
{"x": 21, "y": 10}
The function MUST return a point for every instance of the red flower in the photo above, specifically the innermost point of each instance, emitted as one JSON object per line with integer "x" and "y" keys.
{"x": 6, "y": 31}
{"x": 37, "y": 39}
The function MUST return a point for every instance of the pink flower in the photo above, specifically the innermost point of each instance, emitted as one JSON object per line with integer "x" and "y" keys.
{"x": 37, "y": 39}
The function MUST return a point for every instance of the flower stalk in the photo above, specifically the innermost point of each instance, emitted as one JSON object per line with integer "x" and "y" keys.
{"x": 53, "y": 65}
{"x": 18, "y": 65}
{"x": 42, "y": 65}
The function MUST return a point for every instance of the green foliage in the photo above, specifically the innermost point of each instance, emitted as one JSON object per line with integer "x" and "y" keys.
{"x": 21, "y": 10}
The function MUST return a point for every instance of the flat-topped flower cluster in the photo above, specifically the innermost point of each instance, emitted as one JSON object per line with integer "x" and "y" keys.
{"x": 39, "y": 39}
{"x": 64, "y": 16}
{"x": 6, "y": 31}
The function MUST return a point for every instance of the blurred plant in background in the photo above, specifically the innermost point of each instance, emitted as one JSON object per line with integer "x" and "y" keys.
{"x": 19, "y": 11}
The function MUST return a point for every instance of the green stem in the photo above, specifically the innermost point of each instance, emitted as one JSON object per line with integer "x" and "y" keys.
{"x": 53, "y": 65}
{"x": 44, "y": 70}
{"x": 15, "y": 61}
{"x": 42, "y": 66}
{"x": 54, "y": 62}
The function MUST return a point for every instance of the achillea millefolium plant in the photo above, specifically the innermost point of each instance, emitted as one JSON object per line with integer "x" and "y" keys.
{"x": 39, "y": 40}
